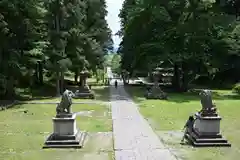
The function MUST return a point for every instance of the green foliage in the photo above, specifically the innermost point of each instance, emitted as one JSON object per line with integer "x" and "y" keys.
{"x": 100, "y": 75}
{"x": 108, "y": 59}
{"x": 236, "y": 88}
{"x": 113, "y": 60}
{"x": 39, "y": 37}
{"x": 180, "y": 33}
{"x": 115, "y": 63}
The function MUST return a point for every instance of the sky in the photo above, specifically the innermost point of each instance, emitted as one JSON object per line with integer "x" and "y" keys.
{"x": 113, "y": 7}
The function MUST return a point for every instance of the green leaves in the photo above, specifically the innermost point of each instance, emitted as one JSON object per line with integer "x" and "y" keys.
{"x": 58, "y": 35}
{"x": 184, "y": 32}
{"x": 115, "y": 63}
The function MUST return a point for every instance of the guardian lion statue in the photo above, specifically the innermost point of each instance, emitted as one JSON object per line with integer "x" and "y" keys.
{"x": 208, "y": 108}
{"x": 64, "y": 107}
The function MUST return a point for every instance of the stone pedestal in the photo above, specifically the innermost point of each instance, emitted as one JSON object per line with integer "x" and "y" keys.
{"x": 207, "y": 125}
{"x": 84, "y": 92}
{"x": 206, "y": 132}
{"x": 64, "y": 126}
{"x": 65, "y": 133}
{"x": 155, "y": 92}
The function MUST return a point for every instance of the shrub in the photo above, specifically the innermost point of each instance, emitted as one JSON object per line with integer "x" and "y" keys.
{"x": 236, "y": 88}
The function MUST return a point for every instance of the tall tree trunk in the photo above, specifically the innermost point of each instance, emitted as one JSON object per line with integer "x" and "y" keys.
{"x": 103, "y": 77}
{"x": 184, "y": 86}
{"x": 36, "y": 75}
{"x": 176, "y": 78}
{"x": 58, "y": 84}
{"x": 61, "y": 75}
{"x": 3, "y": 90}
{"x": 40, "y": 73}
{"x": 124, "y": 80}
{"x": 10, "y": 93}
{"x": 76, "y": 76}
{"x": 97, "y": 75}
{"x": 62, "y": 88}
{"x": 81, "y": 84}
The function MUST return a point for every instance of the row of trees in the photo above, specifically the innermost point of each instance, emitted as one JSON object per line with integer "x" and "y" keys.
{"x": 198, "y": 38}
{"x": 52, "y": 37}
{"x": 113, "y": 60}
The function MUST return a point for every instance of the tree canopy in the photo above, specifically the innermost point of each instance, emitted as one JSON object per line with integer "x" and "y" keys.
{"x": 196, "y": 37}
{"x": 50, "y": 36}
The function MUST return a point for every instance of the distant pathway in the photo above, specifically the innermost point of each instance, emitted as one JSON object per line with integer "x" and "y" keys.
{"x": 134, "y": 139}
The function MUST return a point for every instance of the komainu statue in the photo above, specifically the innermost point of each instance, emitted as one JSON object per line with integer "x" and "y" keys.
{"x": 208, "y": 108}
{"x": 64, "y": 107}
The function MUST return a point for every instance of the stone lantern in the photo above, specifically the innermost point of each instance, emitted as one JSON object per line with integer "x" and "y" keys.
{"x": 155, "y": 92}
{"x": 84, "y": 90}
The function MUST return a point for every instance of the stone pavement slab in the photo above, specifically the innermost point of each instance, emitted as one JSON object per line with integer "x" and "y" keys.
{"x": 134, "y": 139}
{"x": 156, "y": 154}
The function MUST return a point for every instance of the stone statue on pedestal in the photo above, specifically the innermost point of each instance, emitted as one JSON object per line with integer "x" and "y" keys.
{"x": 208, "y": 108}
{"x": 155, "y": 92}
{"x": 84, "y": 90}
{"x": 64, "y": 107}
{"x": 65, "y": 132}
{"x": 206, "y": 130}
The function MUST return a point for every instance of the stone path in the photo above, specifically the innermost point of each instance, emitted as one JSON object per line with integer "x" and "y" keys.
{"x": 134, "y": 139}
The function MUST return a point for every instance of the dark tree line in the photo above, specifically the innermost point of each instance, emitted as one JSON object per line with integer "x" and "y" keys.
{"x": 199, "y": 39}
{"x": 50, "y": 37}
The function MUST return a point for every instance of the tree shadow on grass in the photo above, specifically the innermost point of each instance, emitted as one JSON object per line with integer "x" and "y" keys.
{"x": 194, "y": 96}
{"x": 137, "y": 93}
{"x": 39, "y": 92}
{"x": 101, "y": 92}
{"x": 47, "y": 91}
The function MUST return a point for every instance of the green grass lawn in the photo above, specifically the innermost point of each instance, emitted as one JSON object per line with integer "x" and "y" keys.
{"x": 22, "y": 134}
{"x": 170, "y": 115}
{"x": 101, "y": 93}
